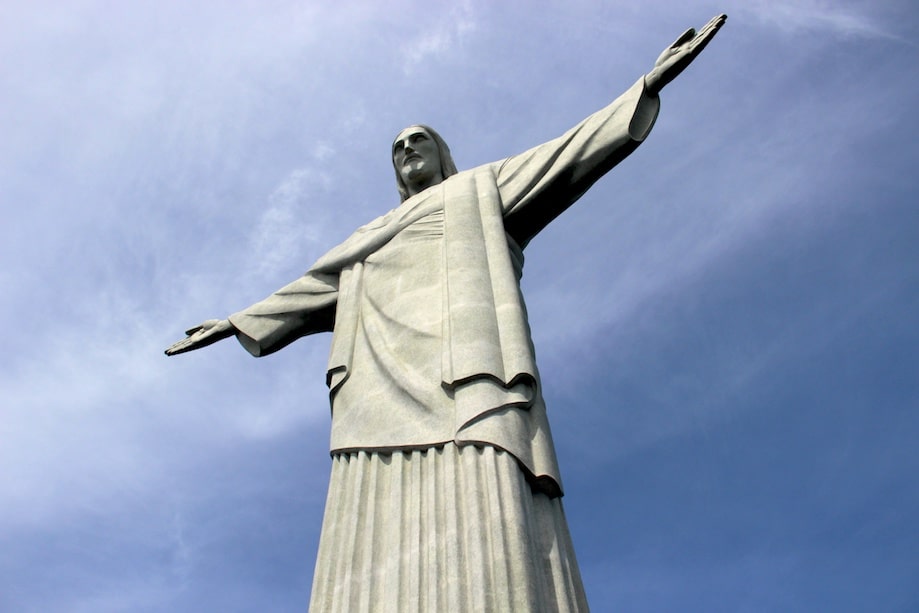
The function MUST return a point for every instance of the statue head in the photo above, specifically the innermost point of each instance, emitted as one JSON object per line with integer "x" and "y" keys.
{"x": 421, "y": 159}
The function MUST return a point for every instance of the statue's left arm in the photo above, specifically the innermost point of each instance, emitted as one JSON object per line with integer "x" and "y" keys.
{"x": 538, "y": 185}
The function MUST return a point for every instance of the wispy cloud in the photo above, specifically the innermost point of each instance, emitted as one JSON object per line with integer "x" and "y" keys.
{"x": 292, "y": 223}
{"x": 817, "y": 16}
{"x": 440, "y": 38}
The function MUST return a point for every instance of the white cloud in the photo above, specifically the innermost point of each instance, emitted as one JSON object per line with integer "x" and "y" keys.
{"x": 440, "y": 38}
{"x": 798, "y": 16}
{"x": 292, "y": 223}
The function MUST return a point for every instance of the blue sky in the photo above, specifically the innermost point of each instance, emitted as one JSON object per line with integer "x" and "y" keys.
{"x": 726, "y": 324}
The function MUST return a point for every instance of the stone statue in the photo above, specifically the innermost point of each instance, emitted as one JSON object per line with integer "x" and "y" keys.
{"x": 445, "y": 493}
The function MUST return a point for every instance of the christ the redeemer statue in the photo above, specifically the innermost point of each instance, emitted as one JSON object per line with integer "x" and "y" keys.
{"x": 445, "y": 493}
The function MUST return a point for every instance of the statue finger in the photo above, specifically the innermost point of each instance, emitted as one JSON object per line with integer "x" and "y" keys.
{"x": 709, "y": 29}
{"x": 178, "y": 347}
{"x": 706, "y": 34}
{"x": 684, "y": 38}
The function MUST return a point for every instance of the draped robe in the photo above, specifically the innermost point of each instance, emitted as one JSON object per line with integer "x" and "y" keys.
{"x": 431, "y": 346}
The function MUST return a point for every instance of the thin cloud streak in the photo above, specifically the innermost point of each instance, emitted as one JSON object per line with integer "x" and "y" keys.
{"x": 439, "y": 39}
{"x": 290, "y": 225}
{"x": 817, "y": 16}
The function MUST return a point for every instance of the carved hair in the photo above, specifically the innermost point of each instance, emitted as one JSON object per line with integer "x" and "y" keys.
{"x": 447, "y": 166}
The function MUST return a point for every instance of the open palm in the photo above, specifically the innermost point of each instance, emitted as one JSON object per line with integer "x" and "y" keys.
{"x": 681, "y": 53}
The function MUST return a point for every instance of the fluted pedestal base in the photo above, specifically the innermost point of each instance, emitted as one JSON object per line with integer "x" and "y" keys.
{"x": 444, "y": 529}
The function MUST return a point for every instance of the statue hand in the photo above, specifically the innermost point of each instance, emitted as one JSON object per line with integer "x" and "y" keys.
{"x": 207, "y": 333}
{"x": 680, "y": 54}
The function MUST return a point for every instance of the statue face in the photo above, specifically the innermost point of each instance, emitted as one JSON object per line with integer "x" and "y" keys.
{"x": 417, "y": 159}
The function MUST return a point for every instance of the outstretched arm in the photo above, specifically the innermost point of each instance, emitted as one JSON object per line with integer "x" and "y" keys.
{"x": 207, "y": 333}
{"x": 680, "y": 54}
{"x": 306, "y": 306}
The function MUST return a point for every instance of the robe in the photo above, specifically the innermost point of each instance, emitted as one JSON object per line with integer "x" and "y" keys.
{"x": 432, "y": 376}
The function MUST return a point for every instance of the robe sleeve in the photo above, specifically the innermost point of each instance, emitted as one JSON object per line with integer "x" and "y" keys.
{"x": 303, "y": 307}
{"x": 538, "y": 185}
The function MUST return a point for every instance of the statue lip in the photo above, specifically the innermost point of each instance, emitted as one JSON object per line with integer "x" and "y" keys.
{"x": 410, "y": 157}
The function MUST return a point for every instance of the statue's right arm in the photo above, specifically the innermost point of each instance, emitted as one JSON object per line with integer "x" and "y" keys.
{"x": 207, "y": 333}
{"x": 305, "y": 306}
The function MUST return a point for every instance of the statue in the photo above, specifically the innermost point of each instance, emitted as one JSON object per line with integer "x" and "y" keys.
{"x": 445, "y": 493}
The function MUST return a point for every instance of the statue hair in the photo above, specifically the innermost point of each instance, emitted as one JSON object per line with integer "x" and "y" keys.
{"x": 447, "y": 166}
